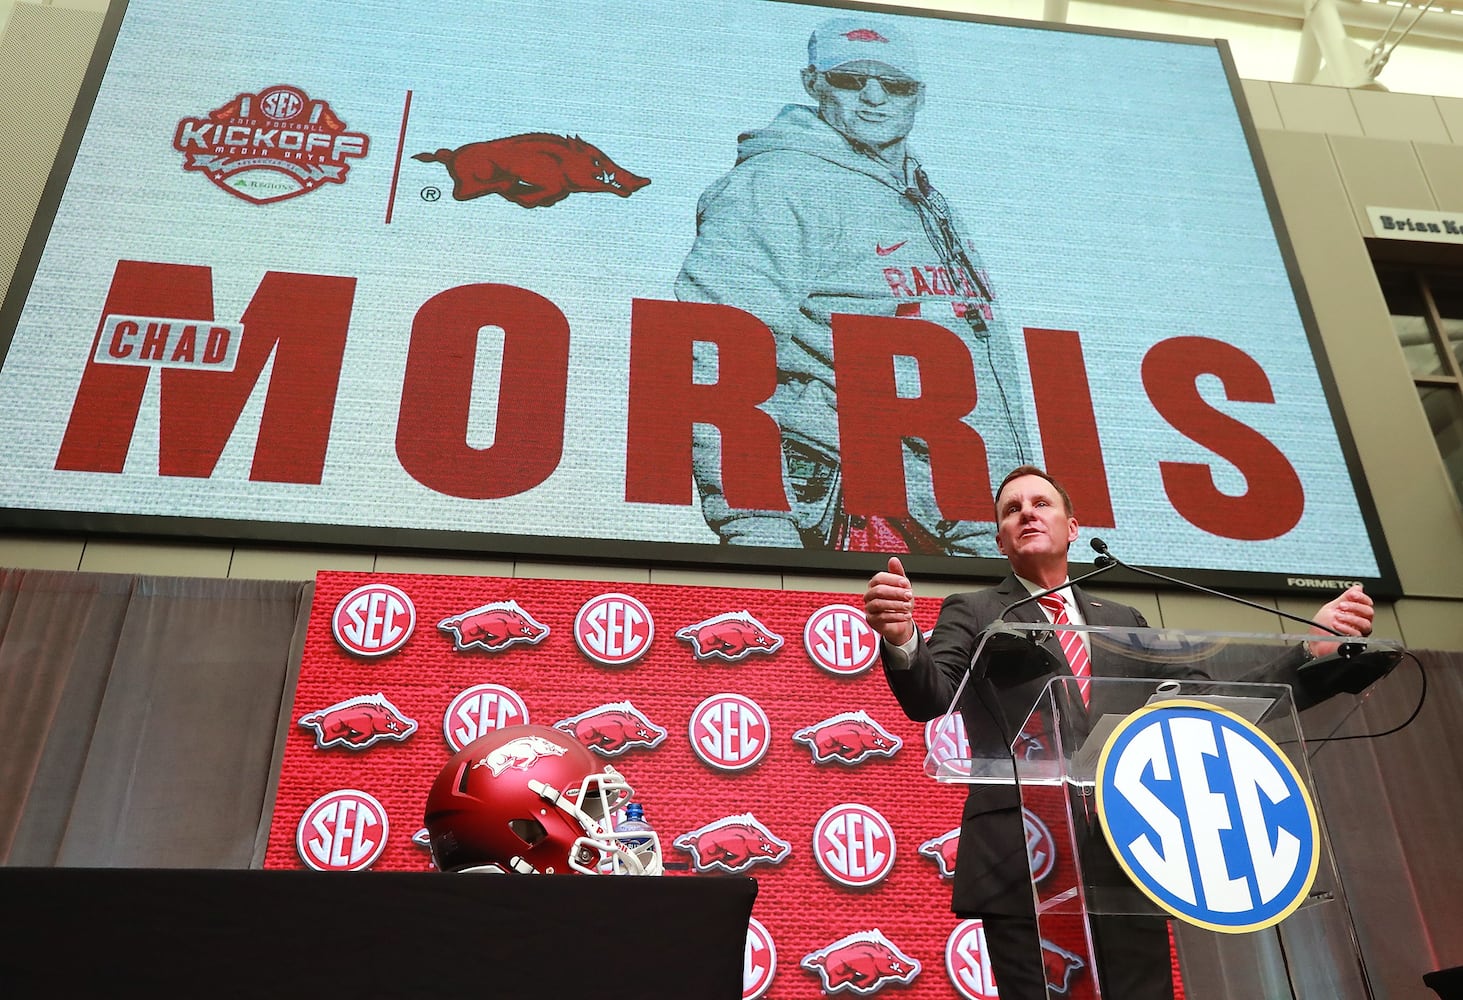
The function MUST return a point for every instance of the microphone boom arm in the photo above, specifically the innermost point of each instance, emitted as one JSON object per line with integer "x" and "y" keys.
{"x": 1100, "y": 547}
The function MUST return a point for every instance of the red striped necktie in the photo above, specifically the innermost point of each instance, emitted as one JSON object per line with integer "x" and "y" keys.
{"x": 1072, "y": 644}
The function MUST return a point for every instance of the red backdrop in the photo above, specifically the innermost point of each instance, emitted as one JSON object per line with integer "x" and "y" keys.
{"x": 775, "y": 715}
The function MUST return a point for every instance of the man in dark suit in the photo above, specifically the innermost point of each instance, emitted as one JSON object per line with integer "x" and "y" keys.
{"x": 1034, "y": 528}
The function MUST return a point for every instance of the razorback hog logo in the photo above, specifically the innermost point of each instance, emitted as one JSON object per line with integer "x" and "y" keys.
{"x": 1040, "y": 848}
{"x": 863, "y": 962}
{"x": 1028, "y": 746}
{"x": 942, "y": 851}
{"x": 733, "y": 843}
{"x": 613, "y": 728}
{"x": 534, "y": 170}
{"x": 520, "y": 754}
{"x": 358, "y": 723}
{"x": 1061, "y": 965}
{"x": 734, "y": 635}
{"x": 848, "y": 738}
{"x": 493, "y": 627}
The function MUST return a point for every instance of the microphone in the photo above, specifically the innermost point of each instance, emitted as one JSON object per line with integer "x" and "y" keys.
{"x": 1352, "y": 668}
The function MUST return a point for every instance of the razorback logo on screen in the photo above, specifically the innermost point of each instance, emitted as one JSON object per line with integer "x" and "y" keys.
{"x": 534, "y": 170}
{"x": 269, "y": 146}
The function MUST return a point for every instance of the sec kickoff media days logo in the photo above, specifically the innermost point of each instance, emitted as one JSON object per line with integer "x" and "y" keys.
{"x": 271, "y": 145}
{"x": 1207, "y": 816}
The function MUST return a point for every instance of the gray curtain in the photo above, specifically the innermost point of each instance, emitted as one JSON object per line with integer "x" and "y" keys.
{"x": 143, "y": 716}
{"x": 1394, "y": 808}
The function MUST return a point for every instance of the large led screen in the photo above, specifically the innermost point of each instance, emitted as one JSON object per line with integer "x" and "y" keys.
{"x": 741, "y": 281}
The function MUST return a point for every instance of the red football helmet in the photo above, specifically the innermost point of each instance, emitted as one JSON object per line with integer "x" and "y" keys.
{"x": 533, "y": 800}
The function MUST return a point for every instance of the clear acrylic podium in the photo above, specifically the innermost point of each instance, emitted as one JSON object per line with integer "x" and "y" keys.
{"x": 1311, "y": 953}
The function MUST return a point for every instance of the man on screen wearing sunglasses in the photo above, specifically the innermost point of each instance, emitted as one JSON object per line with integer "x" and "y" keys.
{"x": 828, "y": 212}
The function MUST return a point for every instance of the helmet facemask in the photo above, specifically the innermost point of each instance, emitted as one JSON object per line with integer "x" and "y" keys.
{"x": 602, "y": 849}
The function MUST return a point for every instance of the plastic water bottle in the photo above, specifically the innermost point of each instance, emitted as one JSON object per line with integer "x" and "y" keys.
{"x": 633, "y": 823}
{"x": 642, "y": 848}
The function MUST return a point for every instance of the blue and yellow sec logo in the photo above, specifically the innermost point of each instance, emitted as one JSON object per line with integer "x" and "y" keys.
{"x": 1207, "y": 816}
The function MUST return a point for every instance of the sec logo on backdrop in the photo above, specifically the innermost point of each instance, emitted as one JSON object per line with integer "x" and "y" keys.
{"x": 373, "y": 620}
{"x": 1208, "y": 816}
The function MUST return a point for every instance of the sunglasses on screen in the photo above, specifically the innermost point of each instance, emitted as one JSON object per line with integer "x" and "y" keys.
{"x": 857, "y": 81}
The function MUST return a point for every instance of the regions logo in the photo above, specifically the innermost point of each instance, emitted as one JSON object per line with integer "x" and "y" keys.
{"x": 854, "y": 845}
{"x": 733, "y": 844}
{"x": 863, "y": 962}
{"x": 534, "y": 170}
{"x": 614, "y": 629}
{"x": 476, "y": 711}
{"x": 730, "y": 732}
{"x": 734, "y": 635}
{"x": 759, "y": 962}
{"x": 838, "y": 639}
{"x": 520, "y": 754}
{"x": 342, "y": 831}
{"x": 373, "y": 620}
{"x": 358, "y": 723}
{"x": 270, "y": 146}
{"x": 493, "y": 627}
{"x": 848, "y": 738}
{"x": 612, "y": 728}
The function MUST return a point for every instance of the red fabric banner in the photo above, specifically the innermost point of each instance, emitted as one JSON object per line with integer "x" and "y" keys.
{"x": 754, "y": 725}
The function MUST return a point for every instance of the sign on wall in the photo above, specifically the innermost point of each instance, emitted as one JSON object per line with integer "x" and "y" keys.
{"x": 758, "y": 734}
{"x": 797, "y": 282}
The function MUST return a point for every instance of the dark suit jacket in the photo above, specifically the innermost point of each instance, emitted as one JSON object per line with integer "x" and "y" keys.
{"x": 992, "y": 875}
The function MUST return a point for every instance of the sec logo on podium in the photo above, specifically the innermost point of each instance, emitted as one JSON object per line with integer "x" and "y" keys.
{"x": 1207, "y": 816}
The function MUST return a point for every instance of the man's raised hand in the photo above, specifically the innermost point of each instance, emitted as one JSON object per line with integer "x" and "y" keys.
{"x": 889, "y": 604}
{"x": 1350, "y": 614}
